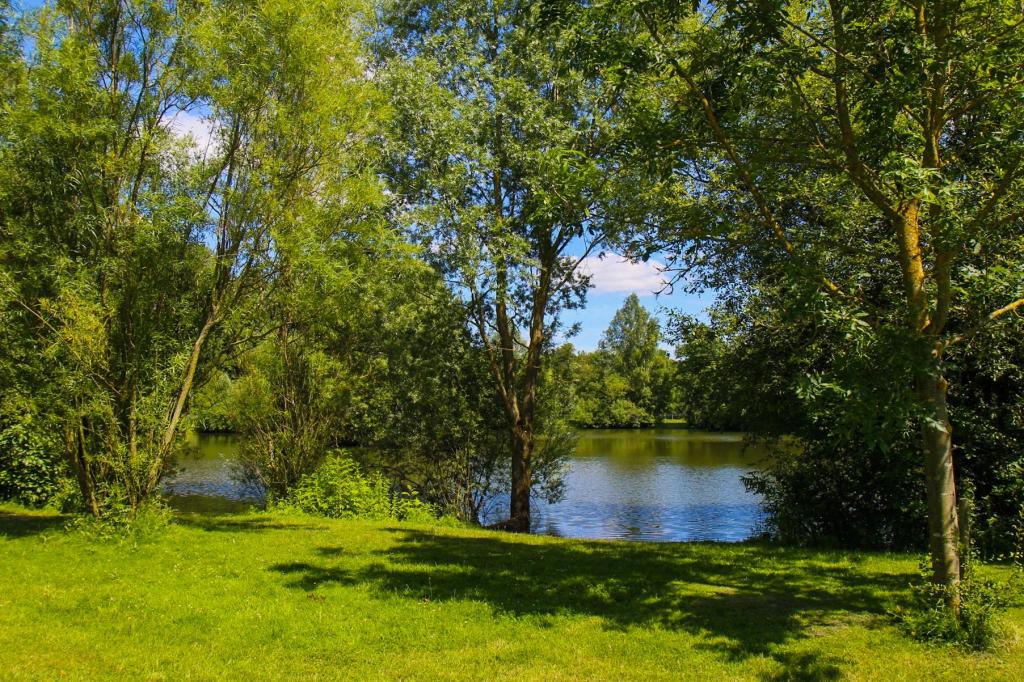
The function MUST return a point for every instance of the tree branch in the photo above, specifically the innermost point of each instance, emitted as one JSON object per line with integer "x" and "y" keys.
{"x": 991, "y": 318}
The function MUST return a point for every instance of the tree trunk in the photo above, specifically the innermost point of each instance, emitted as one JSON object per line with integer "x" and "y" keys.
{"x": 76, "y": 454}
{"x": 174, "y": 416}
{"x": 522, "y": 479}
{"x": 937, "y": 445}
{"x": 936, "y": 431}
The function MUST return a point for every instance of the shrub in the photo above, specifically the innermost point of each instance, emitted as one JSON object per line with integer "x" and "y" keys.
{"x": 340, "y": 489}
{"x": 625, "y": 413}
{"x": 288, "y": 411}
{"x": 119, "y": 522}
{"x": 842, "y": 494}
{"x": 974, "y": 625}
{"x": 31, "y": 466}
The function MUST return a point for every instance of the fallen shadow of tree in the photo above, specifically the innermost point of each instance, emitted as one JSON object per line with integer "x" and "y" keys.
{"x": 229, "y": 524}
{"x": 14, "y": 524}
{"x": 806, "y": 667}
{"x": 741, "y": 600}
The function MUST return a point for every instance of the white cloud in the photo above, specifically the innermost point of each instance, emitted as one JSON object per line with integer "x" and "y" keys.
{"x": 198, "y": 128}
{"x": 614, "y": 274}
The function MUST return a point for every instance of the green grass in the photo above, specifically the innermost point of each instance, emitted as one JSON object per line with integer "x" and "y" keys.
{"x": 262, "y": 597}
{"x": 672, "y": 423}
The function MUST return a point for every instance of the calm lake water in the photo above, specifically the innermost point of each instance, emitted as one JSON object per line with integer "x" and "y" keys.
{"x": 648, "y": 484}
{"x": 205, "y": 478}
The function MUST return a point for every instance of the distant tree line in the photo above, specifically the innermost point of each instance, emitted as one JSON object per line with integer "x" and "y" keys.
{"x": 629, "y": 381}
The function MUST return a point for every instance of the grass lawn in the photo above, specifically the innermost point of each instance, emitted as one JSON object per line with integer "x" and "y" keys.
{"x": 261, "y": 597}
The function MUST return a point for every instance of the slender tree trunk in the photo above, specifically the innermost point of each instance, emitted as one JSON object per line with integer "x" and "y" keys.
{"x": 76, "y": 454}
{"x": 937, "y": 446}
{"x": 523, "y": 429}
{"x": 522, "y": 478}
{"x": 187, "y": 380}
{"x": 934, "y": 22}
{"x": 931, "y": 386}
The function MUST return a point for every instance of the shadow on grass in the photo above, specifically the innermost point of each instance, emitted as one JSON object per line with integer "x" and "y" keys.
{"x": 308, "y": 577}
{"x": 806, "y": 667}
{"x": 227, "y": 524}
{"x": 16, "y": 525}
{"x": 740, "y": 600}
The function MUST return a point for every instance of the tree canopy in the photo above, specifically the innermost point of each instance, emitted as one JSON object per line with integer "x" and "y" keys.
{"x": 334, "y": 224}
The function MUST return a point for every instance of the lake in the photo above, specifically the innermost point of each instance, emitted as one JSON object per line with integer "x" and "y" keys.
{"x": 644, "y": 484}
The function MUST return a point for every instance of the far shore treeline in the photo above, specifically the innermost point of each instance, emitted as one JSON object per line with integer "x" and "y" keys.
{"x": 341, "y": 222}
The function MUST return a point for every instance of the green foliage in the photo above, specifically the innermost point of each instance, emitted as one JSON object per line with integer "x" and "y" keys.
{"x": 211, "y": 408}
{"x": 286, "y": 409}
{"x": 601, "y": 400}
{"x": 135, "y": 258}
{"x": 842, "y": 494}
{"x": 631, "y": 339}
{"x": 33, "y": 470}
{"x": 988, "y": 403}
{"x": 498, "y": 155}
{"x": 124, "y": 524}
{"x": 974, "y": 624}
{"x": 850, "y": 472}
{"x": 427, "y": 409}
{"x": 622, "y": 412}
{"x": 629, "y": 382}
{"x": 339, "y": 489}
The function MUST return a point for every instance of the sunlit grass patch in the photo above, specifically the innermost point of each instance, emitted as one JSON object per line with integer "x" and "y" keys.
{"x": 267, "y": 597}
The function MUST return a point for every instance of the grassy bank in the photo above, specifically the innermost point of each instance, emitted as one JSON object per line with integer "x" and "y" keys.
{"x": 258, "y": 597}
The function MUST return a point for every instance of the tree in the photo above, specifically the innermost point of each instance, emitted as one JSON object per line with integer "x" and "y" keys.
{"x": 631, "y": 342}
{"x": 377, "y": 354}
{"x": 628, "y": 382}
{"x": 498, "y": 145}
{"x": 632, "y": 336}
{"x": 804, "y": 138}
{"x": 128, "y": 249}
{"x": 87, "y": 157}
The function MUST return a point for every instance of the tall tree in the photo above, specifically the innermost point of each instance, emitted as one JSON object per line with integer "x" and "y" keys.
{"x": 126, "y": 247}
{"x": 803, "y": 139}
{"x": 289, "y": 179}
{"x": 628, "y": 380}
{"x": 498, "y": 156}
{"x": 632, "y": 340}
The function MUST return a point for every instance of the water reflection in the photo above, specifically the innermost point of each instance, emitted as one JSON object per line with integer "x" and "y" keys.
{"x": 656, "y": 484}
{"x": 205, "y": 477}
{"x": 650, "y": 484}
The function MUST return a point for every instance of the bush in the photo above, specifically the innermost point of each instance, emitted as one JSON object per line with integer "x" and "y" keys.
{"x": 842, "y": 494}
{"x": 288, "y": 410}
{"x": 974, "y": 626}
{"x": 32, "y": 469}
{"x": 121, "y": 523}
{"x": 339, "y": 489}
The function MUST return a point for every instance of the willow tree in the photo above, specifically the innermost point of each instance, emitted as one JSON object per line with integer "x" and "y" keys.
{"x": 287, "y": 178}
{"x": 828, "y": 136}
{"x": 126, "y": 245}
{"x": 498, "y": 153}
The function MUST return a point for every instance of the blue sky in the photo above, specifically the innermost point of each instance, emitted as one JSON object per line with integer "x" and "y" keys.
{"x": 613, "y": 279}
